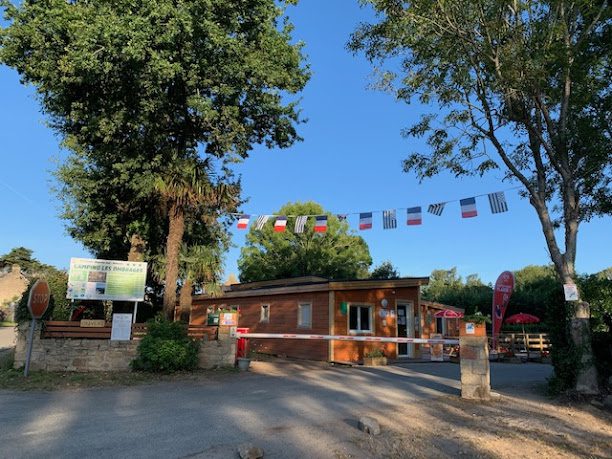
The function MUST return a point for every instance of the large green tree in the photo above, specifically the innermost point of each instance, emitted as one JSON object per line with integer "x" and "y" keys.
{"x": 518, "y": 85}
{"x": 135, "y": 88}
{"x": 335, "y": 254}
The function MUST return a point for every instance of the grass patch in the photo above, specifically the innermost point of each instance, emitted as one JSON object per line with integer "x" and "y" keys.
{"x": 11, "y": 379}
{"x": 7, "y": 324}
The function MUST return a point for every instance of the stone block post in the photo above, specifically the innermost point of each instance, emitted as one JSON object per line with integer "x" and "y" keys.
{"x": 474, "y": 362}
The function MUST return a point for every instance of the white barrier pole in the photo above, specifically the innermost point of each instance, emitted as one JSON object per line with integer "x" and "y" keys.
{"x": 375, "y": 339}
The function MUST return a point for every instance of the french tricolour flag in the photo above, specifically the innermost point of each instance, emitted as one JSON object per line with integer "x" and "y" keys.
{"x": 468, "y": 208}
{"x": 280, "y": 224}
{"x": 243, "y": 221}
{"x": 365, "y": 220}
{"x": 414, "y": 216}
{"x": 320, "y": 224}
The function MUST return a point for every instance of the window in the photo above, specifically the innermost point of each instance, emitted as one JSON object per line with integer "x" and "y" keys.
{"x": 305, "y": 315}
{"x": 360, "y": 318}
{"x": 265, "y": 313}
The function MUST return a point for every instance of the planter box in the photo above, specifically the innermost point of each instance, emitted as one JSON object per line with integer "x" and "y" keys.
{"x": 476, "y": 329}
{"x": 374, "y": 361}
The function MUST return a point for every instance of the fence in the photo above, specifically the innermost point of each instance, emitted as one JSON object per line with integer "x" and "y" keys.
{"x": 519, "y": 342}
{"x": 73, "y": 330}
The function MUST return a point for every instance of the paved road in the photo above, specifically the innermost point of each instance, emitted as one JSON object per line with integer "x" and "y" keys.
{"x": 292, "y": 410}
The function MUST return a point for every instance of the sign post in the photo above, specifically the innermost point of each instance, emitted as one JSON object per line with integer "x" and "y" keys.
{"x": 38, "y": 302}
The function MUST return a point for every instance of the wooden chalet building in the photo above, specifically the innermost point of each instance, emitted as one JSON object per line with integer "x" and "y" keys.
{"x": 315, "y": 305}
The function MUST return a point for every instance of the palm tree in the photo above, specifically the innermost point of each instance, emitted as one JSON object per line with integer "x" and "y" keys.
{"x": 201, "y": 267}
{"x": 185, "y": 188}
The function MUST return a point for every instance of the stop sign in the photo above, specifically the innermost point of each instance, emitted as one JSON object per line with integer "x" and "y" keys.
{"x": 38, "y": 302}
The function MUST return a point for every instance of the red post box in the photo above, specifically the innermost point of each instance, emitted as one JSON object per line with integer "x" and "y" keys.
{"x": 242, "y": 344}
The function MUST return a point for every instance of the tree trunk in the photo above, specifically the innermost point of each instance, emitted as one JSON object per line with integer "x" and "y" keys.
{"x": 137, "y": 248}
{"x": 580, "y": 332}
{"x": 185, "y": 299}
{"x": 176, "y": 228}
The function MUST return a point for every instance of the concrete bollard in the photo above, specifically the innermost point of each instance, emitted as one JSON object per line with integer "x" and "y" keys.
{"x": 474, "y": 362}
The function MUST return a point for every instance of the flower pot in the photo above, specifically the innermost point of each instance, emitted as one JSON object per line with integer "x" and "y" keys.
{"x": 243, "y": 363}
{"x": 374, "y": 361}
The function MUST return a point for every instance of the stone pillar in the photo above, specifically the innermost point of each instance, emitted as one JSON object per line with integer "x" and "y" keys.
{"x": 474, "y": 361}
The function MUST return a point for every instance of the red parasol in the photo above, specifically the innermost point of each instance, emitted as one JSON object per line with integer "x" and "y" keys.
{"x": 522, "y": 318}
{"x": 448, "y": 314}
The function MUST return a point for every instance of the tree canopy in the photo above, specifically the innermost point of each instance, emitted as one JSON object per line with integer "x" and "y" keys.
{"x": 522, "y": 86}
{"x": 385, "y": 270}
{"x": 137, "y": 89}
{"x": 336, "y": 254}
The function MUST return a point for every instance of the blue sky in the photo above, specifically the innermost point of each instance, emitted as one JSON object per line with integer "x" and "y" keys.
{"x": 350, "y": 161}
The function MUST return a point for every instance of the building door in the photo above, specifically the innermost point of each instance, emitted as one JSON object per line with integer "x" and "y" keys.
{"x": 405, "y": 329}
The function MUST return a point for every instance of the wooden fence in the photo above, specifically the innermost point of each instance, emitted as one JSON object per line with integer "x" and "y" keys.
{"x": 518, "y": 342}
{"x": 73, "y": 329}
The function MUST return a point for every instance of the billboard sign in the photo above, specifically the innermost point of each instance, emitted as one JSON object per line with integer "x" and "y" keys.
{"x": 113, "y": 280}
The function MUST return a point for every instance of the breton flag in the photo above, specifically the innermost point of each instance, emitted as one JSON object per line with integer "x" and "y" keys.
{"x": 436, "y": 209}
{"x": 320, "y": 224}
{"x": 498, "y": 202}
{"x": 261, "y": 221}
{"x": 280, "y": 224}
{"x": 300, "y": 222}
{"x": 389, "y": 220}
{"x": 243, "y": 221}
{"x": 468, "y": 208}
{"x": 365, "y": 220}
{"x": 414, "y": 216}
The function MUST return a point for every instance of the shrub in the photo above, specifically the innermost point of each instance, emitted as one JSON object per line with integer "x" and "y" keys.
{"x": 374, "y": 353}
{"x": 166, "y": 348}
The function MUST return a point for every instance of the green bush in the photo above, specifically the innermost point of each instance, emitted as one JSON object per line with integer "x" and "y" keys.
{"x": 166, "y": 348}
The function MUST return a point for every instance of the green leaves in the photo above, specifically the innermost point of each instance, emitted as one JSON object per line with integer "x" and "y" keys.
{"x": 335, "y": 254}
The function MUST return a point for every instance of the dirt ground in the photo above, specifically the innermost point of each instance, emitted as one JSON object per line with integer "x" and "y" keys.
{"x": 528, "y": 426}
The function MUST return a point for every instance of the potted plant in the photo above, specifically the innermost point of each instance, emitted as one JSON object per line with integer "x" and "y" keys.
{"x": 474, "y": 325}
{"x": 374, "y": 358}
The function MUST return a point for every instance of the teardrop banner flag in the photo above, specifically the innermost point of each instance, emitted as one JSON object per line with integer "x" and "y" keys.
{"x": 504, "y": 286}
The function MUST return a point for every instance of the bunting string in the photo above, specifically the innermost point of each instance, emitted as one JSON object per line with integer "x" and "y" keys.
{"x": 497, "y": 203}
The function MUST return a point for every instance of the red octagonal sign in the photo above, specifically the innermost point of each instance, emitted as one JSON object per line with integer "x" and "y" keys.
{"x": 38, "y": 302}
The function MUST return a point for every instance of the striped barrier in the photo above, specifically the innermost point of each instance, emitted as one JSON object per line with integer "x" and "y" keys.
{"x": 375, "y": 339}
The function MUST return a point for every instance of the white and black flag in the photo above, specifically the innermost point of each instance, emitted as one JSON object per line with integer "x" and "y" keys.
{"x": 261, "y": 221}
{"x": 300, "y": 223}
{"x": 498, "y": 202}
{"x": 436, "y": 209}
{"x": 389, "y": 219}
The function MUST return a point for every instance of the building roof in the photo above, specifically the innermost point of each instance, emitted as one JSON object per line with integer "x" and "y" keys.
{"x": 440, "y": 306}
{"x": 312, "y": 284}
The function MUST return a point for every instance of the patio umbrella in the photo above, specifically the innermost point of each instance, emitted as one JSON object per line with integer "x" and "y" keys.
{"x": 522, "y": 318}
{"x": 448, "y": 314}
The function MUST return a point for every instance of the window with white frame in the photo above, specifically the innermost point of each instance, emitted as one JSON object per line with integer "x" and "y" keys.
{"x": 305, "y": 315}
{"x": 360, "y": 318}
{"x": 265, "y": 313}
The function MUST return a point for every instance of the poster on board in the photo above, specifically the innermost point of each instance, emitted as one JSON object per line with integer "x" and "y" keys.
{"x": 90, "y": 279}
{"x": 122, "y": 327}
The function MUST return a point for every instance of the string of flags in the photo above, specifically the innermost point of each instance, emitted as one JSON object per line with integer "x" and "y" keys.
{"x": 497, "y": 203}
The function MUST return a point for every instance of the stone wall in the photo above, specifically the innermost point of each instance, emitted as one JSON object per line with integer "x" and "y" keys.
{"x": 215, "y": 354}
{"x": 12, "y": 286}
{"x": 84, "y": 355}
{"x": 81, "y": 355}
